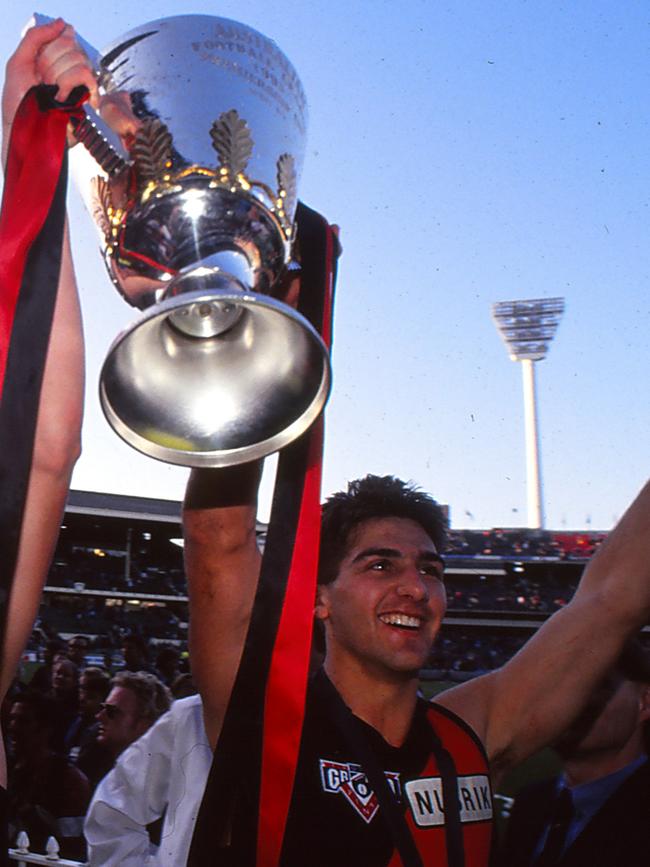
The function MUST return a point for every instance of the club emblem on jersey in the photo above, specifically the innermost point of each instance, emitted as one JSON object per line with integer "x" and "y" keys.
{"x": 348, "y": 779}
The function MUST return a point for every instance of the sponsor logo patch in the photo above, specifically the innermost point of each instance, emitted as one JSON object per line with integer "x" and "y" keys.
{"x": 349, "y": 780}
{"x": 427, "y": 805}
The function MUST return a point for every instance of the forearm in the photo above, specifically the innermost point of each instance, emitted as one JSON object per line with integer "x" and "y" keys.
{"x": 618, "y": 575}
{"x": 57, "y": 444}
{"x": 56, "y": 449}
{"x": 222, "y": 564}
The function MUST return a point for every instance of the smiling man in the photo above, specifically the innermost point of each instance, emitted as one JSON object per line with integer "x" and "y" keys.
{"x": 383, "y": 777}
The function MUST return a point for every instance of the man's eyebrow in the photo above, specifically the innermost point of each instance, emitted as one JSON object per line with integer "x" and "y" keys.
{"x": 377, "y": 552}
{"x": 432, "y": 557}
{"x": 429, "y": 556}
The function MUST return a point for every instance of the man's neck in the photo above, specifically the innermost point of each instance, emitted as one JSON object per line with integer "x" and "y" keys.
{"x": 386, "y": 703}
{"x": 594, "y": 766}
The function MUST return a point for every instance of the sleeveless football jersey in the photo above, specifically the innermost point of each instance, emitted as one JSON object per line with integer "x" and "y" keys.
{"x": 335, "y": 819}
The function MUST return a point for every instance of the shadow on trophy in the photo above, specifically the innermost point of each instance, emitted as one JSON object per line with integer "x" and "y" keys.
{"x": 190, "y": 172}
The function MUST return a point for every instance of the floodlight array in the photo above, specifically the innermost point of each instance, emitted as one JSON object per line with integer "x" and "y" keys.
{"x": 528, "y": 326}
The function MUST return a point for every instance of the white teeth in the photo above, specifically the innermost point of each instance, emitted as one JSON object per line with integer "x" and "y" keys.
{"x": 400, "y": 620}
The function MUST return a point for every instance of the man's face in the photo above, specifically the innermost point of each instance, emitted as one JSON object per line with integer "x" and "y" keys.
{"x": 64, "y": 676}
{"x": 77, "y": 650}
{"x": 24, "y": 730}
{"x": 120, "y": 721}
{"x": 384, "y": 609}
{"x": 90, "y": 698}
{"x": 610, "y": 721}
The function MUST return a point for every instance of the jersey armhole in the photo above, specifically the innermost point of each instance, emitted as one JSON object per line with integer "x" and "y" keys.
{"x": 461, "y": 723}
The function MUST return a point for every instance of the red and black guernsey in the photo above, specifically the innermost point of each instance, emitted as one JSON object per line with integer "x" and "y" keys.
{"x": 424, "y": 801}
{"x": 335, "y": 817}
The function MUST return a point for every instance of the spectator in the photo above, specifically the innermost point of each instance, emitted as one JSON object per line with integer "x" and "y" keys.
{"x": 135, "y": 702}
{"x": 597, "y": 811}
{"x": 94, "y": 686}
{"x": 183, "y": 686}
{"x": 136, "y": 654}
{"x": 163, "y": 773}
{"x": 167, "y": 663}
{"x": 47, "y": 795}
{"x": 77, "y": 649}
{"x": 42, "y": 677}
{"x": 64, "y": 692}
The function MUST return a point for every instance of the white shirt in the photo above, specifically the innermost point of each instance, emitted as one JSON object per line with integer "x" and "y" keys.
{"x": 166, "y": 768}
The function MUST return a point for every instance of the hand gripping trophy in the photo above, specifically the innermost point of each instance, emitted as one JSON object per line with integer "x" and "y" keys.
{"x": 190, "y": 173}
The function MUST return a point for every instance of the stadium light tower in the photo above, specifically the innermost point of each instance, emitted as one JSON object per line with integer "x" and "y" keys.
{"x": 527, "y": 328}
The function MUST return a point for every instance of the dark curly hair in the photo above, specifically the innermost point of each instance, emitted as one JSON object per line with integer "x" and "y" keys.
{"x": 368, "y": 498}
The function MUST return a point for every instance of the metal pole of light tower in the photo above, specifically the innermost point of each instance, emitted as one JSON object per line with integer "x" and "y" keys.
{"x": 527, "y": 328}
{"x": 533, "y": 463}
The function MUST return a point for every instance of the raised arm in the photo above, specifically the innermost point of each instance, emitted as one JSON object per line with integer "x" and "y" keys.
{"x": 222, "y": 562}
{"x": 531, "y": 700}
{"x": 48, "y": 55}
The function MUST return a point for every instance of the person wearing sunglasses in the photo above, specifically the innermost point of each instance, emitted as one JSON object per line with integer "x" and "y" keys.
{"x": 136, "y": 700}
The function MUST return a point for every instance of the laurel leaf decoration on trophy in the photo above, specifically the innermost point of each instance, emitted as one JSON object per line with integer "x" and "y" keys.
{"x": 152, "y": 150}
{"x": 232, "y": 140}
{"x": 100, "y": 203}
{"x": 107, "y": 217}
{"x": 287, "y": 185}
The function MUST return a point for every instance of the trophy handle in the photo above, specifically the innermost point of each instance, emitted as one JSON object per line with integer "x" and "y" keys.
{"x": 98, "y": 138}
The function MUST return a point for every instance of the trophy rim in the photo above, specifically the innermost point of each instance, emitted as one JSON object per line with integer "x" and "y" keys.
{"x": 217, "y": 458}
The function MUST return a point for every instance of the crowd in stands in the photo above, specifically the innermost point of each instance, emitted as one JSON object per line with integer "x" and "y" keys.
{"x": 511, "y": 592}
{"x": 523, "y": 544}
{"x": 68, "y": 722}
{"x": 474, "y": 650}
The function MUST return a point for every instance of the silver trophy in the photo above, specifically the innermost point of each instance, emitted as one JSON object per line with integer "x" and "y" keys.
{"x": 190, "y": 172}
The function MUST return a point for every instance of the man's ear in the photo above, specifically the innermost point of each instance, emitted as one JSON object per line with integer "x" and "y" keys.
{"x": 321, "y": 608}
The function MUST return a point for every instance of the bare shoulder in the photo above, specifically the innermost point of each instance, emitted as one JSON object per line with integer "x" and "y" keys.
{"x": 471, "y": 701}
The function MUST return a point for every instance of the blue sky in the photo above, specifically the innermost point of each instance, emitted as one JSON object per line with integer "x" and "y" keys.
{"x": 471, "y": 152}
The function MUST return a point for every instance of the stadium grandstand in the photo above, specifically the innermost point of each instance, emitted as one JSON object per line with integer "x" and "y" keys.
{"x": 118, "y": 569}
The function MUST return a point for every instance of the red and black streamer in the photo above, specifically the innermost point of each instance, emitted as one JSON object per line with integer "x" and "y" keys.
{"x": 243, "y": 814}
{"x": 32, "y": 221}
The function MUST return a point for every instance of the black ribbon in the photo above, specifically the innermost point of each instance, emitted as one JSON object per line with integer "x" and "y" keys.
{"x": 235, "y": 773}
{"x": 22, "y": 381}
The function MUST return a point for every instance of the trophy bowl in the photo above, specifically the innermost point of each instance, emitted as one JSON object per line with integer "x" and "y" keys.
{"x": 190, "y": 171}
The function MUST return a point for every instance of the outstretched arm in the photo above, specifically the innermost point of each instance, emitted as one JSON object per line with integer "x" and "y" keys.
{"x": 46, "y": 55}
{"x": 534, "y": 697}
{"x": 222, "y": 562}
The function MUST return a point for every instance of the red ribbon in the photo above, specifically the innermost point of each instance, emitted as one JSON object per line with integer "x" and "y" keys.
{"x": 34, "y": 162}
{"x": 286, "y": 687}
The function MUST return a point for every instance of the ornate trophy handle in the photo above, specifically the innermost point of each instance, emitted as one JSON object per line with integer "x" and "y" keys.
{"x": 98, "y": 138}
